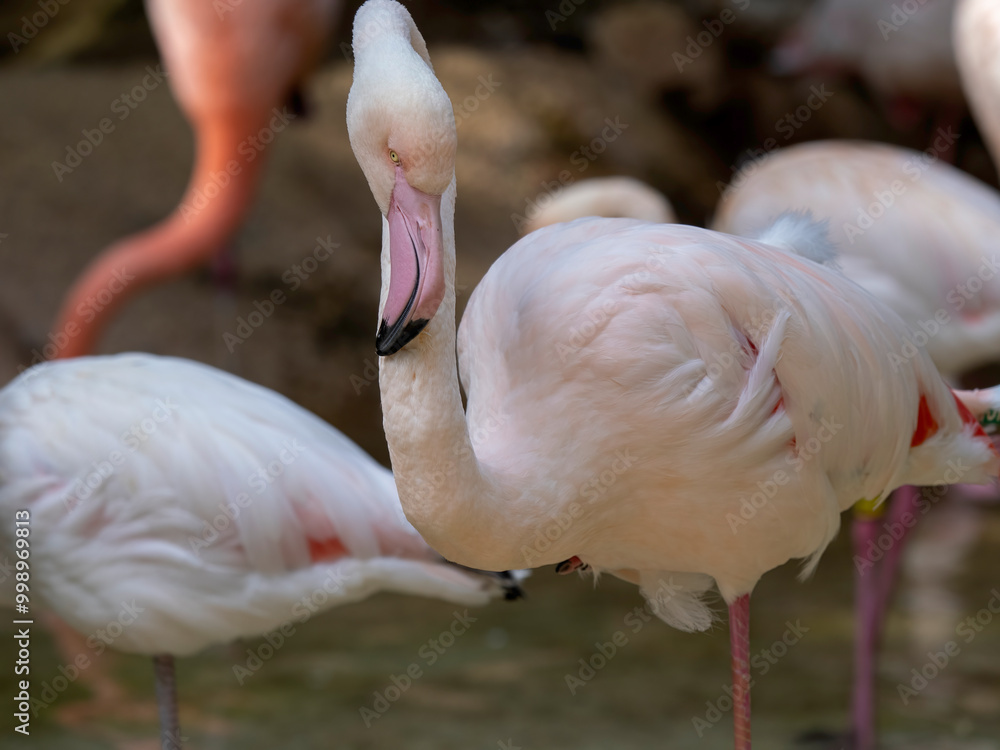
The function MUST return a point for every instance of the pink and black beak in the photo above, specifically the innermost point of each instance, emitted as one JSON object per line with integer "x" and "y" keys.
{"x": 416, "y": 272}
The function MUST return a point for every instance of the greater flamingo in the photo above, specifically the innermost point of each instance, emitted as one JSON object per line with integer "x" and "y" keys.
{"x": 610, "y": 197}
{"x": 921, "y": 236}
{"x": 722, "y": 367}
{"x": 232, "y": 68}
{"x": 902, "y": 51}
{"x": 208, "y": 507}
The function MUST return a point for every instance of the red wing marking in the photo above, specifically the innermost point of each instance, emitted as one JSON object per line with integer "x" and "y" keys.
{"x": 326, "y": 549}
{"x": 926, "y": 424}
{"x": 968, "y": 418}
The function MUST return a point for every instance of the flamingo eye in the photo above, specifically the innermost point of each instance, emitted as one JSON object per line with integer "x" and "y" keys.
{"x": 394, "y": 156}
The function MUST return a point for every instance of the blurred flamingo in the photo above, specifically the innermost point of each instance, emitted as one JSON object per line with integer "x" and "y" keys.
{"x": 707, "y": 366}
{"x": 902, "y": 51}
{"x": 232, "y": 67}
{"x": 191, "y": 507}
{"x": 610, "y": 197}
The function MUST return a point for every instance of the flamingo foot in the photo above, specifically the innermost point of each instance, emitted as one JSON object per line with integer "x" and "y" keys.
{"x": 739, "y": 646}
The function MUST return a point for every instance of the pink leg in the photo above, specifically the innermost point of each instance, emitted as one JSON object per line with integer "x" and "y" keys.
{"x": 901, "y": 518}
{"x": 865, "y": 530}
{"x": 739, "y": 646}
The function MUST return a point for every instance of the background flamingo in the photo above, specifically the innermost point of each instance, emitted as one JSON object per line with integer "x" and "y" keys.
{"x": 905, "y": 57}
{"x": 664, "y": 304}
{"x": 232, "y": 68}
{"x": 610, "y": 197}
{"x": 128, "y": 464}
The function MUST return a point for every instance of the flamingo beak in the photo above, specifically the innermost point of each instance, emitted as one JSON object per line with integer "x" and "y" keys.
{"x": 416, "y": 272}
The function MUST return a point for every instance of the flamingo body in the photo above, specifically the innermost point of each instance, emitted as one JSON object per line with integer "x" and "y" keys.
{"x": 701, "y": 350}
{"x": 220, "y": 507}
{"x": 630, "y": 386}
{"x": 226, "y": 59}
{"x": 915, "y": 232}
{"x": 232, "y": 67}
{"x": 898, "y": 52}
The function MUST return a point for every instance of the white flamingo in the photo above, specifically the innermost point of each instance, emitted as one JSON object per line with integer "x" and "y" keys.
{"x": 920, "y": 235}
{"x": 211, "y": 506}
{"x": 902, "y": 51}
{"x": 611, "y": 197}
{"x": 715, "y": 367}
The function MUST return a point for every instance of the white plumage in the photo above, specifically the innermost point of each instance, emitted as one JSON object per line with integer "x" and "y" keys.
{"x": 719, "y": 363}
{"x": 310, "y": 512}
{"x": 693, "y": 369}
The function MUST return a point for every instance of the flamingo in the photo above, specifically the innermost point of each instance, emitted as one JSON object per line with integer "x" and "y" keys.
{"x": 232, "y": 67}
{"x": 611, "y": 197}
{"x": 698, "y": 368}
{"x": 918, "y": 234}
{"x": 206, "y": 506}
{"x": 903, "y": 52}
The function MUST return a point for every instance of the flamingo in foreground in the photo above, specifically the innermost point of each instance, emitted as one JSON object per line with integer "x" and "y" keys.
{"x": 921, "y": 236}
{"x": 727, "y": 370}
{"x": 232, "y": 68}
{"x": 611, "y": 197}
{"x": 213, "y": 508}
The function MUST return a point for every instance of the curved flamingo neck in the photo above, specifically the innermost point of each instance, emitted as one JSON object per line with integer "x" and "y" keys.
{"x": 458, "y": 507}
{"x": 216, "y": 199}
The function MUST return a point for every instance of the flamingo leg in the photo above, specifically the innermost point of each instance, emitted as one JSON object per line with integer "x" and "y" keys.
{"x": 166, "y": 700}
{"x": 865, "y": 531}
{"x": 873, "y": 585}
{"x": 900, "y": 519}
{"x": 739, "y": 646}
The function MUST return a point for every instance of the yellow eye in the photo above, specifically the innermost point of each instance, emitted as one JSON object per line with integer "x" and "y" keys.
{"x": 394, "y": 156}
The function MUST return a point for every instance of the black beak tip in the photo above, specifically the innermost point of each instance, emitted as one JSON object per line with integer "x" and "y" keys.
{"x": 391, "y": 340}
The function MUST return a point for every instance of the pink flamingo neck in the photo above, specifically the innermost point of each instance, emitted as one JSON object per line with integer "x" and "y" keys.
{"x": 218, "y": 196}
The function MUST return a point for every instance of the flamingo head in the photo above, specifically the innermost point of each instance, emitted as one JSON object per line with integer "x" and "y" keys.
{"x": 402, "y": 130}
